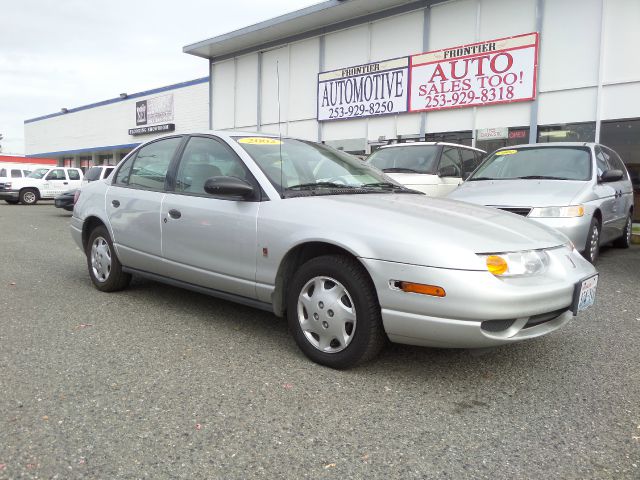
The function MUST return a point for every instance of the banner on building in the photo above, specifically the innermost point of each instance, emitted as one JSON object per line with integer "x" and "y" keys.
{"x": 365, "y": 90}
{"x": 478, "y": 74}
{"x": 154, "y": 110}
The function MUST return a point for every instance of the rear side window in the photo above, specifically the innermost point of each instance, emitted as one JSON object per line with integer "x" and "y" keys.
{"x": 92, "y": 174}
{"x": 148, "y": 169}
{"x": 3, "y": 172}
{"x": 74, "y": 174}
{"x": 57, "y": 174}
{"x": 16, "y": 174}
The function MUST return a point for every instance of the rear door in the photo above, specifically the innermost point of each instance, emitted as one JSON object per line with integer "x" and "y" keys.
{"x": 206, "y": 240}
{"x": 133, "y": 204}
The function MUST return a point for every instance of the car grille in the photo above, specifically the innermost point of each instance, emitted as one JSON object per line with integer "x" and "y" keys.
{"x": 524, "y": 211}
{"x": 495, "y": 326}
{"x": 2, "y": 186}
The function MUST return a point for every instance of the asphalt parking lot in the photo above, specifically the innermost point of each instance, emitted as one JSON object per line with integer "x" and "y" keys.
{"x": 156, "y": 382}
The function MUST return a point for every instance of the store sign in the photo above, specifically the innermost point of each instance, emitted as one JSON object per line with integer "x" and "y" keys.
{"x": 492, "y": 133}
{"x": 484, "y": 73}
{"x": 167, "y": 127}
{"x": 518, "y": 134}
{"x": 154, "y": 110}
{"x": 363, "y": 91}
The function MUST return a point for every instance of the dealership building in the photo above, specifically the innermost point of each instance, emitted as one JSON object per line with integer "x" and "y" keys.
{"x": 356, "y": 74}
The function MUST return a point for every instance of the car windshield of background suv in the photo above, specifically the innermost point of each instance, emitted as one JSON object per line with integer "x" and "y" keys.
{"x": 38, "y": 173}
{"x": 542, "y": 163}
{"x": 410, "y": 159}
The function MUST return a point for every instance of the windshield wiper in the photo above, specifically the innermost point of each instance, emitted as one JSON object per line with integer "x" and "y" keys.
{"x": 400, "y": 170}
{"x": 314, "y": 185}
{"x": 538, "y": 177}
{"x": 483, "y": 178}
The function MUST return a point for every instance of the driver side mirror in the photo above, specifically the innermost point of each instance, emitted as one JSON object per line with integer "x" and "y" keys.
{"x": 228, "y": 187}
{"x": 611, "y": 176}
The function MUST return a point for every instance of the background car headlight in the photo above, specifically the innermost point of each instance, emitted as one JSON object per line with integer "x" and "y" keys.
{"x": 525, "y": 263}
{"x": 564, "y": 212}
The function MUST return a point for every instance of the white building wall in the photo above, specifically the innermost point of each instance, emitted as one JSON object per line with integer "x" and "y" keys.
{"x": 108, "y": 125}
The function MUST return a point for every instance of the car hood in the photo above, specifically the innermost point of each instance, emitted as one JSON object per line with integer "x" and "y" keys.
{"x": 519, "y": 193}
{"x": 405, "y": 228}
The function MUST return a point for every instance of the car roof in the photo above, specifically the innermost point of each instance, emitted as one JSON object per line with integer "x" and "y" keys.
{"x": 552, "y": 144}
{"x": 407, "y": 144}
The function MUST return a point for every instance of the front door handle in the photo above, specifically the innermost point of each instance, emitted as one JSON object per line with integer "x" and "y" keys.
{"x": 173, "y": 213}
{"x": 66, "y": 183}
{"x": 115, "y": 203}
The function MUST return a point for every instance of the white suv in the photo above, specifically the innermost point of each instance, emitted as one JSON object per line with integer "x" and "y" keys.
{"x": 42, "y": 183}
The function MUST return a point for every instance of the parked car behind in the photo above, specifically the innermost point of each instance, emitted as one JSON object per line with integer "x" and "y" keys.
{"x": 8, "y": 172}
{"x": 99, "y": 172}
{"x": 581, "y": 189}
{"x": 66, "y": 200}
{"x": 298, "y": 228}
{"x": 434, "y": 168}
{"x": 42, "y": 183}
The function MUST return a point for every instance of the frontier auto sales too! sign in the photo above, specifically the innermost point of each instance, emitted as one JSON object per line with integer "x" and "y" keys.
{"x": 484, "y": 73}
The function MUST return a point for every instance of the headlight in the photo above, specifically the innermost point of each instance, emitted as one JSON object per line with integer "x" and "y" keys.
{"x": 512, "y": 264}
{"x": 552, "y": 212}
{"x": 7, "y": 186}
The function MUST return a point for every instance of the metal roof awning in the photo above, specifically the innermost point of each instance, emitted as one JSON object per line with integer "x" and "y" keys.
{"x": 311, "y": 21}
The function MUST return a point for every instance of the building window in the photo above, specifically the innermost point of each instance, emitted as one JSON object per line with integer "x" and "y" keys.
{"x": 567, "y": 132}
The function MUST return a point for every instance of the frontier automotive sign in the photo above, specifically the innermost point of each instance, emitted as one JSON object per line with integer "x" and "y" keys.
{"x": 484, "y": 73}
{"x": 364, "y": 90}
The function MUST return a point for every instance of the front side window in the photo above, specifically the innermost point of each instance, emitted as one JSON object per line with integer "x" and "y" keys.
{"x": 616, "y": 163}
{"x": 299, "y": 167}
{"x": 74, "y": 175}
{"x": 16, "y": 174}
{"x": 449, "y": 163}
{"x": 537, "y": 163}
{"x": 205, "y": 158}
{"x": 409, "y": 159}
{"x": 469, "y": 161}
{"x": 148, "y": 169}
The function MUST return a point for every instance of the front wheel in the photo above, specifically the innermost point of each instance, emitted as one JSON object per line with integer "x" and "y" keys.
{"x": 12, "y": 202}
{"x": 105, "y": 269}
{"x": 333, "y": 312}
{"x": 28, "y": 196}
{"x": 592, "y": 248}
{"x": 625, "y": 240}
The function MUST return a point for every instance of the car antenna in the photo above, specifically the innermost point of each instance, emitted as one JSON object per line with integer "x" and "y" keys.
{"x": 279, "y": 130}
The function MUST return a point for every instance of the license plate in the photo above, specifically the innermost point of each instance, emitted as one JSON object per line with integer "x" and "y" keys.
{"x": 585, "y": 294}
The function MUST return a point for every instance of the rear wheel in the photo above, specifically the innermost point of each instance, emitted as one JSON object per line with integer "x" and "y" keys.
{"x": 592, "y": 248}
{"x": 333, "y": 312}
{"x": 625, "y": 240}
{"x": 29, "y": 196}
{"x": 105, "y": 269}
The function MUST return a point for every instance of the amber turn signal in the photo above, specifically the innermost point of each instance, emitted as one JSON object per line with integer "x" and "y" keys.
{"x": 431, "y": 290}
{"x": 496, "y": 264}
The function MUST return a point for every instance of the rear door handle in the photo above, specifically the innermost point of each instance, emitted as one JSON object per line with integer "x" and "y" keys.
{"x": 115, "y": 203}
{"x": 173, "y": 213}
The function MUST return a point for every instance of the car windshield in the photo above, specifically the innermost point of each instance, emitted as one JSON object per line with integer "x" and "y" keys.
{"x": 299, "y": 167}
{"x": 536, "y": 163}
{"x": 409, "y": 159}
{"x": 38, "y": 173}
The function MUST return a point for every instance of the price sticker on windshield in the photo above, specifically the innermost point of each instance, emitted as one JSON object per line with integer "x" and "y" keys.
{"x": 259, "y": 141}
{"x": 506, "y": 152}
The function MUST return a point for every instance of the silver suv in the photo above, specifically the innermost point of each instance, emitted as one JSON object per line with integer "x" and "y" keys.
{"x": 581, "y": 189}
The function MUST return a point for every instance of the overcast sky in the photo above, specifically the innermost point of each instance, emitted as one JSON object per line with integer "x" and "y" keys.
{"x": 68, "y": 53}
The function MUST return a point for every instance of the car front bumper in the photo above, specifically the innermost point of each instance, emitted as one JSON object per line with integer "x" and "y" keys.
{"x": 9, "y": 195}
{"x": 479, "y": 309}
{"x": 575, "y": 228}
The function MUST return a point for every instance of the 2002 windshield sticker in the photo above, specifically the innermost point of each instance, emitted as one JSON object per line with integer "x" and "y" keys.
{"x": 365, "y": 90}
{"x": 496, "y": 71}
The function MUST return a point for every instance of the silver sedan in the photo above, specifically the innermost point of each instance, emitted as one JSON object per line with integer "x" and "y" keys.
{"x": 348, "y": 255}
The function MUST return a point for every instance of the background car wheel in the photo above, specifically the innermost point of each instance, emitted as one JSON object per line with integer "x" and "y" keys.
{"x": 12, "y": 202}
{"x": 28, "y": 196}
{"x": 625, "y": 240}
{"x": 592, "y": 248}
{"x": 333, "y": 312}
{"x": 105, "y": 269}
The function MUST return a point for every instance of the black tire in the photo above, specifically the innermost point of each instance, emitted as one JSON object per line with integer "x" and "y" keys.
{"x": 12, "y": 202}
{"x": 109, "y": 279}
{"x": 625, "y": 240}
{"x": 366, "y": 333}
{"x": 29, "y": 196}
{"x": 592, "y": 247}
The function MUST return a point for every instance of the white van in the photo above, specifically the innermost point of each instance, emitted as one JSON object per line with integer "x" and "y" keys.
{"x": 435, "y": 168}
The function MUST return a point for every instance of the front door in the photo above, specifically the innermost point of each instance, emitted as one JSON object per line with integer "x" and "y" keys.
{"x": 210, "y": 241}
{"x": 55, "y": 183}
